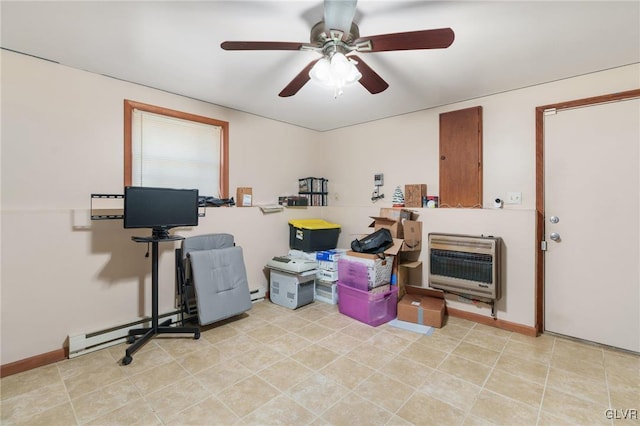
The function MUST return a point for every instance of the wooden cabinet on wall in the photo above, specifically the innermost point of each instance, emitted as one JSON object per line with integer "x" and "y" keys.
{"x": 461, "y": 158}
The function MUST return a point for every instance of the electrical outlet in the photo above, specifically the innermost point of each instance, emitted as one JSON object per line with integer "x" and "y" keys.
{"x": 378, "y": 179}
{"x": 514, "y": 198}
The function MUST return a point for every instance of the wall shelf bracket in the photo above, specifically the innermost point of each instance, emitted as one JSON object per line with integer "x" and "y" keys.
{"x": 110, "y": 211}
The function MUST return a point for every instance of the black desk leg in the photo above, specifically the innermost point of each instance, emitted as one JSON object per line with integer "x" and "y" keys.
{"x": 163, "y": 328}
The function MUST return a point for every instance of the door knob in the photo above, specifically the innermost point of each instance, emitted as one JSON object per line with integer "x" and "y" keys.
{"x": 554, "y": 236}
{"x": 554, "y": 219}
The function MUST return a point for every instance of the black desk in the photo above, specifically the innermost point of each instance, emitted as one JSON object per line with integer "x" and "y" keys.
{"x": 164, "y": 328}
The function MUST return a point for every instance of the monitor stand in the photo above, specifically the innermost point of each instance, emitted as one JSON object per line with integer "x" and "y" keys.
{"x": 155, "y": 329}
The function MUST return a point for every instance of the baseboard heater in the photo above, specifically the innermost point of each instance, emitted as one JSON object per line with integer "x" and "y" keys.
{"x": 258, "y": 294}
{"x": 81, "y": 344}
{"x": 467, "y": 265}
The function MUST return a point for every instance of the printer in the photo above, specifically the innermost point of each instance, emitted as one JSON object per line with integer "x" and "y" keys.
{"x": 294, "y": 265}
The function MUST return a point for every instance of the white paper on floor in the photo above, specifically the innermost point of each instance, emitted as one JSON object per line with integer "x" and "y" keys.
{"x": 410, "y": 326}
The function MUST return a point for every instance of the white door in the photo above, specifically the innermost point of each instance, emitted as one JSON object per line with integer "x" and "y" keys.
{"x": 592, "y": 223}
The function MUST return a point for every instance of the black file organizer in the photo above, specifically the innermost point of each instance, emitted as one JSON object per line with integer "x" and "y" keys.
{"x": 314, "y": 189}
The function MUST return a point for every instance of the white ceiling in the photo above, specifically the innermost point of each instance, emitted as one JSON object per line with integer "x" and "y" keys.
{"x": 175, "y": 46}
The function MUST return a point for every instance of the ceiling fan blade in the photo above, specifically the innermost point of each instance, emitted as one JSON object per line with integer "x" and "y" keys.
{"x": 370, "y": 79}
{"x": 411, "y": 40}
{"x": 262, "y": 45}
{"x": 298, "y": 81}
{"x": 338, "y": 14}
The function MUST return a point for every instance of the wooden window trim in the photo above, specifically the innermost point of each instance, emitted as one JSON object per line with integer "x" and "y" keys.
{"x": 129, "y": 106}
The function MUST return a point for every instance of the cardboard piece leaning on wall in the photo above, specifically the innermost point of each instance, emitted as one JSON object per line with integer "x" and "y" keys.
{"x": 412, "y": 235}
{"x": 409, "y": 274}
{"x": 244, "y": 197}
{"x": 414, "y": 193}
{"x": 397, "y": 214}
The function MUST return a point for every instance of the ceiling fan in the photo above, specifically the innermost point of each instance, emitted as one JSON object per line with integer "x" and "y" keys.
{"x": 338, "y": 38}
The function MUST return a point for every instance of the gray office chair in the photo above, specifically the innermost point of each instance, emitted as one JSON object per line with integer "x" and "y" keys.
{"x": 212, "y": 277}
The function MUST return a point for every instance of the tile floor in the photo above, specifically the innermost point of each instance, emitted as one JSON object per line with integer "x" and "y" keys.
{"x": 314, "y": 366}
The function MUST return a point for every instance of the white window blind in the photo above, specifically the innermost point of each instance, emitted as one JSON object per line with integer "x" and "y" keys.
{"x": 171, "y": 152}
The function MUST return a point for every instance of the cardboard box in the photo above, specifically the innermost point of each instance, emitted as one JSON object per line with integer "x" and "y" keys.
{"x": 327, "y": 275}
{"x": 328, "y": 265}
{"x": 326, "y": 292}
{"x": 397, "y": 213}
{"x": 409, "y": 232}
{"x": 330, "y": 255}
{"x": 412, "y": 235}
{"x": 423, "y": 306}
{"x": 244, "y": 197}
{"x": 403, "y": 226}
{"x": 394, "y": 226}
{"x": 409, "y": 274}
{"x": 414, "y": 193}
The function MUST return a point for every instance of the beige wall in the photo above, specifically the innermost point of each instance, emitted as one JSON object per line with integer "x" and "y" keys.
{"x": 62, "y": 140}
{"x": 405, "y": 149}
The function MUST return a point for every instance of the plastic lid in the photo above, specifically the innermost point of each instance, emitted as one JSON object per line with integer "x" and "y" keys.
{"x": 313, "y": 224}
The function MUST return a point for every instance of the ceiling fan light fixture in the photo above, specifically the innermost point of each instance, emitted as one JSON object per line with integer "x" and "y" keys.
{"x": 340, "y": 66}
{"x": 337, "y": 36}
{"x": 321, "y": 72}
{"x": 336, "y": 72}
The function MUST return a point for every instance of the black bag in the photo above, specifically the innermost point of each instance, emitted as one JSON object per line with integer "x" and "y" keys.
{"x": 376, "y": 242}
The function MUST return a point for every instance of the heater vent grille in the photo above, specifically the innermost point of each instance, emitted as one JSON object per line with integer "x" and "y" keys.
{"x": 466, "y": 264}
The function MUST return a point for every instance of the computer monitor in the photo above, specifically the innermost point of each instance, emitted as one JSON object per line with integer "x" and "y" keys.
{"x": 160, "y": 209}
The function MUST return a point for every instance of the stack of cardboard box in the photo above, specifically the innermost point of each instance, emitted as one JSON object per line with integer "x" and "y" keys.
{"x": 365, "y": 290}
{"x": 407, "y": 233}
{"x": 416, "y": 303}
{"x": 369, "y": 301}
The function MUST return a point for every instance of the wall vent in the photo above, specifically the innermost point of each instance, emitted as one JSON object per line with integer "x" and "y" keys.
{"x": 466, "y": 265}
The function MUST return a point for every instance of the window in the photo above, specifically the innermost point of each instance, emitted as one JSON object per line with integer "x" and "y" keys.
{"x": 173, "y": 149}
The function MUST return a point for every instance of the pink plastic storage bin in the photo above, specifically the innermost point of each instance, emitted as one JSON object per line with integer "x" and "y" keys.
{"x": 364, "y": 273}
{"x": 353, "y": 274}
{"x": 372, "y": 309}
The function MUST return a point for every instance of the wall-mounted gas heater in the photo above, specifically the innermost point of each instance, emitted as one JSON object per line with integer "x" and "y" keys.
{"x": 466, "y": 265}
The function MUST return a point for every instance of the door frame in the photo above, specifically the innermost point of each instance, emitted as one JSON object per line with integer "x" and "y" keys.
{"x": 540, "y": 213}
